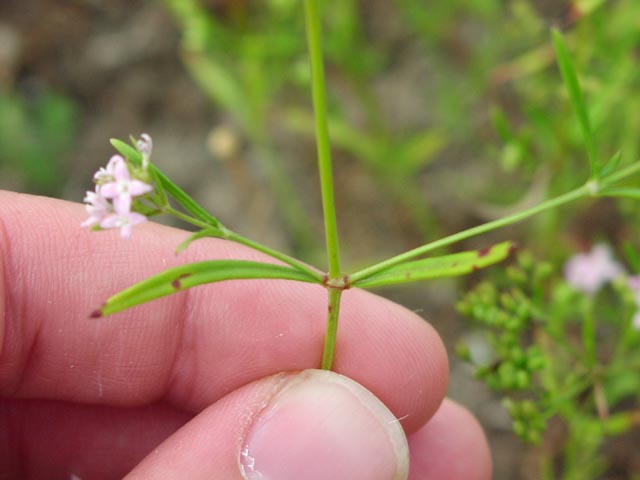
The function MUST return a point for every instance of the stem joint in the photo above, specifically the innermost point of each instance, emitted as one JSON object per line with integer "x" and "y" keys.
{"x": 340, "y": 283}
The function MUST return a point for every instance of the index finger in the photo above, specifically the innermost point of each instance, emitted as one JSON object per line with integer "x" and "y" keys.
{"x": 193, "y": 347}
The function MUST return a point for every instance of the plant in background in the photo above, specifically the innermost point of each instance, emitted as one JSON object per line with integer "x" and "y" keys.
{"x": 132, "y": 184}
{"x": 495, "y": 57}
{"x": 253, "y": 65}
{"x": 563, "y": 347}
{"x": 36, "y": 133}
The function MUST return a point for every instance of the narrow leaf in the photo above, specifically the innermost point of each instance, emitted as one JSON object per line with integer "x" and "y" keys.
{"x": 187, "y": 276}
{"x": 577, "y": 100}
{"x": 127, "y": 151}
{"x": 180, "y": 196}
{"x": 421, "y": 150}
{"x": 445, "y": 266}
{"x": 611, "y": 165}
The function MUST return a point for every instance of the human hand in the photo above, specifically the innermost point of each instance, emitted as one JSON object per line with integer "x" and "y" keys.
{"x": 179, "y": 387}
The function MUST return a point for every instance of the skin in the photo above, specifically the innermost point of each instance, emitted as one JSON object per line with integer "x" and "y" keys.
{"x": 167, "y": 374}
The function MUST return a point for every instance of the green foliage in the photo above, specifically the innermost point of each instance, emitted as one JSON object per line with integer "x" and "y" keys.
{"x": 35, "y": 135}
{"x": 557, "y": 354}
{"x": 252, "y": 62}
{"x": 541, "y": 364}
{"x": 254, "y": 65}
{"x": 438, "y": 267}
{"x": 492, "y": 53}
{"x": 577, "y": 101}
{"x": 183, "y": 277}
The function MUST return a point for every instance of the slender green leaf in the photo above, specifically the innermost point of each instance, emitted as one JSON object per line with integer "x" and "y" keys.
{"x": 572, "y": 85}
{"x": 219, "y": 84}
{"x": 421, "y": 149}
{"x": 127, "y": 151}
{"x": 611, "y": 165}
{"x": 187, "y": 276}
{"x": 180, "y": 196}
{"x": 445, "y": 266}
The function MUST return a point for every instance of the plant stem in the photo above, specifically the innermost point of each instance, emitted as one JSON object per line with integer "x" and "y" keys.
{"x": 332, "y": 328}
{"x": 589, "y": 334}
{"x": 318, "y": 277}
{"x": 456, "y": 237}
{"x": 229, "y": 235}
{"x": 318, "y": 90}
{"x": 314, "y": 38}
{"x": 169, "y": 210}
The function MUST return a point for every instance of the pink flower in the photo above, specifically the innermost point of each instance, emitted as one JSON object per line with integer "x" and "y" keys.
{"x": 97, "y": 207}
{"x": 588, "y": 272}
{"x": 122, "y": 189}
{"x": 124, "y": 221}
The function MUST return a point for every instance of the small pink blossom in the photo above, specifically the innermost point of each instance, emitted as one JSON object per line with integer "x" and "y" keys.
{"x": 122, "y": 189}
{"x": 97, "y": 207}
{"x": 588, "y": 272}
{"x": 124, "y": 221}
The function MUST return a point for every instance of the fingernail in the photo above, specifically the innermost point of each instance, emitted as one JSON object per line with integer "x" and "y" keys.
{"x": 322, "y": 425}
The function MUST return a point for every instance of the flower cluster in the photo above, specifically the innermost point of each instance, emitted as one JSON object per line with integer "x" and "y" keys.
{"x": 110, "y": 205}
{"x": 589, "y": 272}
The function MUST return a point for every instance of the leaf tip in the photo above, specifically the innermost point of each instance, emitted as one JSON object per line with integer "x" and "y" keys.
{"x": 96, "y": 313}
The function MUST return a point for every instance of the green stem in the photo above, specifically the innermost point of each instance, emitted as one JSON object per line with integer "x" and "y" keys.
{"x": 318, "y": 277}
{"x": 589, "y": 333}
{"x": 169, "y": 210}
{"x": 318, "y": 90}
{"x": 314, "y": 37}
{"x": 229, "y": 235}
{"x": 332, "y": 328}
{"x": 456, "y": 237}
{"x": 620, "y": 174}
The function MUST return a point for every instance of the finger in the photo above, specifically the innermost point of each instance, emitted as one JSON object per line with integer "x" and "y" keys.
{"x": 312, "y": 425}
{"x": 452, "y": 446}
{"x": 48, "y": 439}
{"x": 190, "y": 348}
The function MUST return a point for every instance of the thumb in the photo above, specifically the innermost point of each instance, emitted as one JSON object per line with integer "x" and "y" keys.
{"x": 312, "y": 424}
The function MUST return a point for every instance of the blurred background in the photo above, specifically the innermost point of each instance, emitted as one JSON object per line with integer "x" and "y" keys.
{"x": 443, "y": 115}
